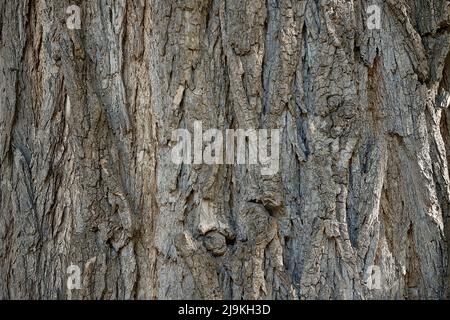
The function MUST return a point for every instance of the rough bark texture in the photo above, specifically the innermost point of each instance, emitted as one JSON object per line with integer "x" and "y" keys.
{"x": 86, "y": 177}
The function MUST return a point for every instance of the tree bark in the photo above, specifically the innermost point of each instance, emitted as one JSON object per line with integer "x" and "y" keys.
{"x": 86, "y": 176}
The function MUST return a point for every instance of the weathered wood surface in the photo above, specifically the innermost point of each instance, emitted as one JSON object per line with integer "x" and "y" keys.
{"x": 86, "y": 177}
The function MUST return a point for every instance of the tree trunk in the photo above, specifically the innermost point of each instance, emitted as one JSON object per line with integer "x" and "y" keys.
{"x": 86, "y": 136}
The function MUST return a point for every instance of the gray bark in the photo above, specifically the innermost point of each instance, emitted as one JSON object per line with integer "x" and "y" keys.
{"x": 86, "y": 177}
